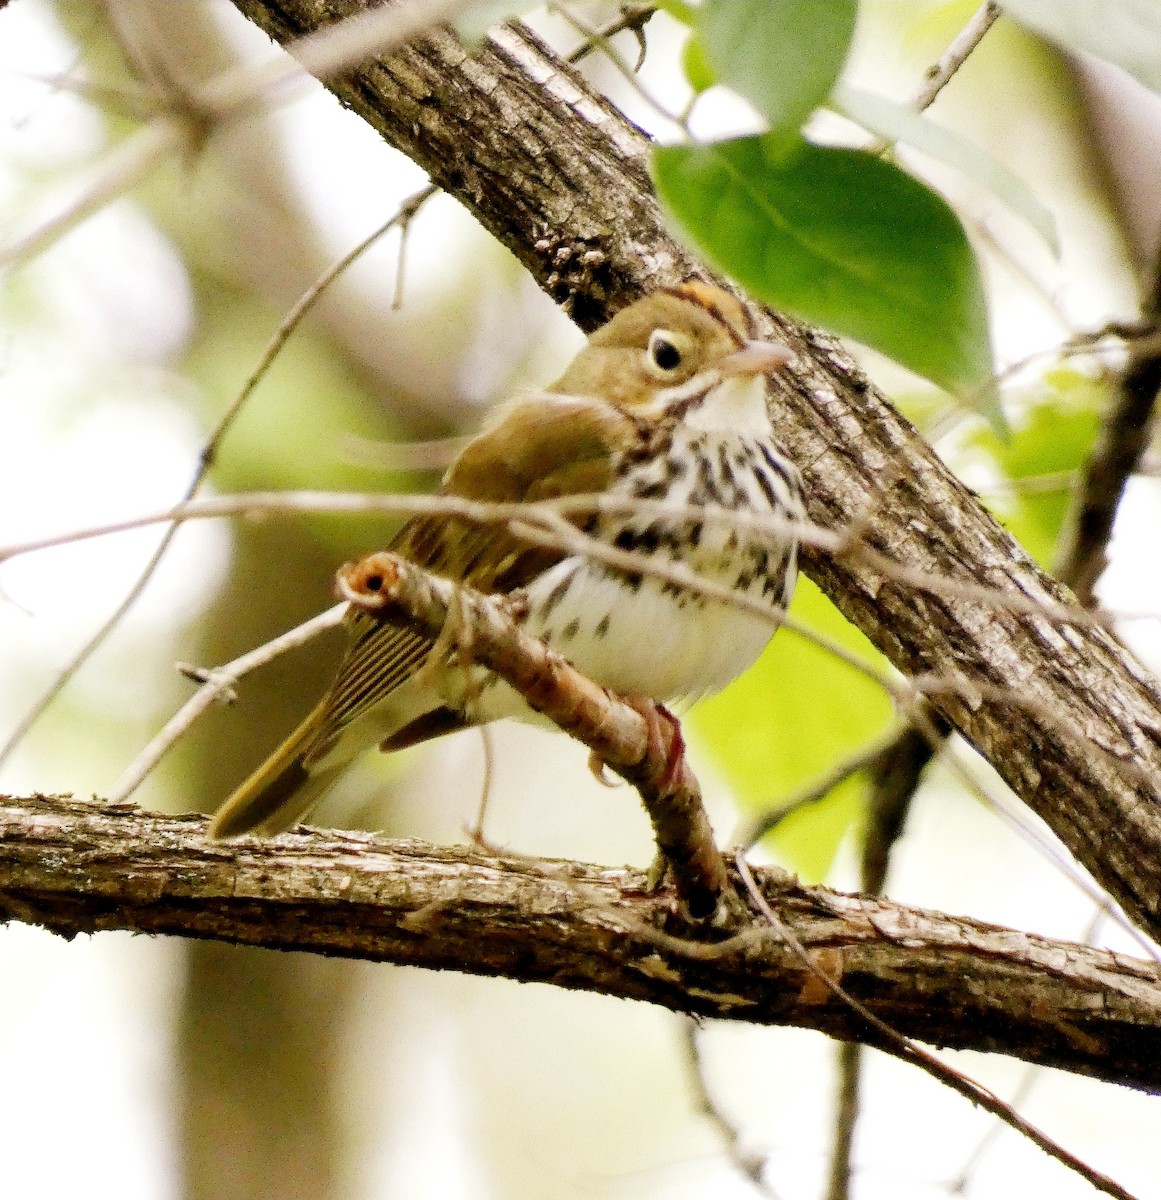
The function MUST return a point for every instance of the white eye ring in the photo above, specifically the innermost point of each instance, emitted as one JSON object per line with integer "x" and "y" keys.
{"x": 664, "y": 354}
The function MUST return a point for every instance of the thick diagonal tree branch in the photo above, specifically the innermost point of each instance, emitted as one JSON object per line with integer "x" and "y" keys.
{"x": 559, "y": 176}
{"x": 82, "y": 867}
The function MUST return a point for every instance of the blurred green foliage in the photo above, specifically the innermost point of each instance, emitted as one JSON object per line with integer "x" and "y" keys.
{"x": 787, "y": 721}
{"x": 1058, "y": 426}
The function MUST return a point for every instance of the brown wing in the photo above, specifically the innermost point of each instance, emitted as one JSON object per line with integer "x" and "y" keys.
{"x": 539, "y": 447}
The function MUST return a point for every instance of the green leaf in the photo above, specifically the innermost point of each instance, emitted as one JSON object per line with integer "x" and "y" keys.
{"x": 782, "y": 55}
{"x": 698, "y": 72}
{"x": 787, "y": 721}
{"x": 898, "y": 123}
{"x": 678, "y": 10}
{"x": 1054, "y": 438}
{"x": 842, "y": 239}
{"x": 1124, "y": 32}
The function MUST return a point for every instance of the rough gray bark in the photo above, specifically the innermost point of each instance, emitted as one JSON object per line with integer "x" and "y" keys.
{"x": 555, "y": 172}
{"x": 81, "y": 867}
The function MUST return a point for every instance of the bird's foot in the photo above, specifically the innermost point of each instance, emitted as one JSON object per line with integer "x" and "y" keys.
{"x": 657, "y": 746}
{"x": 600, "y": 771}
{"x": 673, "y": 748}
{"x": 659, "y": 870}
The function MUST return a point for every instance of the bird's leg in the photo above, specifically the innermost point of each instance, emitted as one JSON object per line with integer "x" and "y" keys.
{"x": 675, "y": 763}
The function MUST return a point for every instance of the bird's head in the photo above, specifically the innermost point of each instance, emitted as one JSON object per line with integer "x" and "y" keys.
{"x": 687, "y": 350}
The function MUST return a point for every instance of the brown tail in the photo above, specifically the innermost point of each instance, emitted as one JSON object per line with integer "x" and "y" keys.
{"x": 281, "y": 792}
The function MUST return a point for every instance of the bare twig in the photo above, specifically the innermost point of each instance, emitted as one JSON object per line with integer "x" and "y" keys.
{"x": 217, "y": 685}
{"x": 395, "y": 504}
{"x": 745, "y": 1162}
{"x": 548, "y": 518}
{"x": 401, "y": 219}
{"x": 476, "y": 829}
{"x": 633, "y": 17}
{"x": 905, "y": 1048}
{"x": 597, "y": 39}
{"x": 959, "y": 1185}
{"x": 1120, "y": 445}
{"x": 116, "y": 173}
{"x": 846, "y": 1116}
{"x": 860, "y": 760}
{"x": 290, "y": 323}
{"x": 1085, "y": 342}
{"x": 895, "y": 775}
{"x": 939, "y": 74}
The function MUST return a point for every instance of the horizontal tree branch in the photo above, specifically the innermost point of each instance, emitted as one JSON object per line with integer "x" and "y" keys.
{"x": 555, "y": 172}
{"x": 77, "y": 867}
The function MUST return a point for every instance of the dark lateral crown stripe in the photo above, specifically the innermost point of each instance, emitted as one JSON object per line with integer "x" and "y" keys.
{"x": 724, "y": 308}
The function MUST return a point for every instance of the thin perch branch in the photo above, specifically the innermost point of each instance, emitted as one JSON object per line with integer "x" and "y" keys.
{"x": 217, "y": 685}
{"x": 636, "y": 744}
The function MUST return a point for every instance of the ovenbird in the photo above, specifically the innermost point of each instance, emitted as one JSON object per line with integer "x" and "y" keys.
{"x": 666, "y": 402}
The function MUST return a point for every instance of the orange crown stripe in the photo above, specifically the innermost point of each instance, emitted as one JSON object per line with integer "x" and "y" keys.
{"x": 727, "y": 309}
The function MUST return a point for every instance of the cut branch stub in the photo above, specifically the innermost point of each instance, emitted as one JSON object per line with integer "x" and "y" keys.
{"x": 638, "y": 741}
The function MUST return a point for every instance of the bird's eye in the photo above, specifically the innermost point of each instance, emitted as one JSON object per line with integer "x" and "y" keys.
{"x": 663, "y": 354}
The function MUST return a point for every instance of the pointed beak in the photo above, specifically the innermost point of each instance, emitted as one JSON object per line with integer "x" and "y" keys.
{"x": 756, "y": 358}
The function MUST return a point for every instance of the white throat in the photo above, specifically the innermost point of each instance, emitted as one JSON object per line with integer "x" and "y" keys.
{"x": 736, "y": 405}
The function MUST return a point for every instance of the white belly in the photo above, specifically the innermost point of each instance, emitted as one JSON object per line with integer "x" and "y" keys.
{"x": 648, "y": 637}
{"x": 657, "y": 642}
